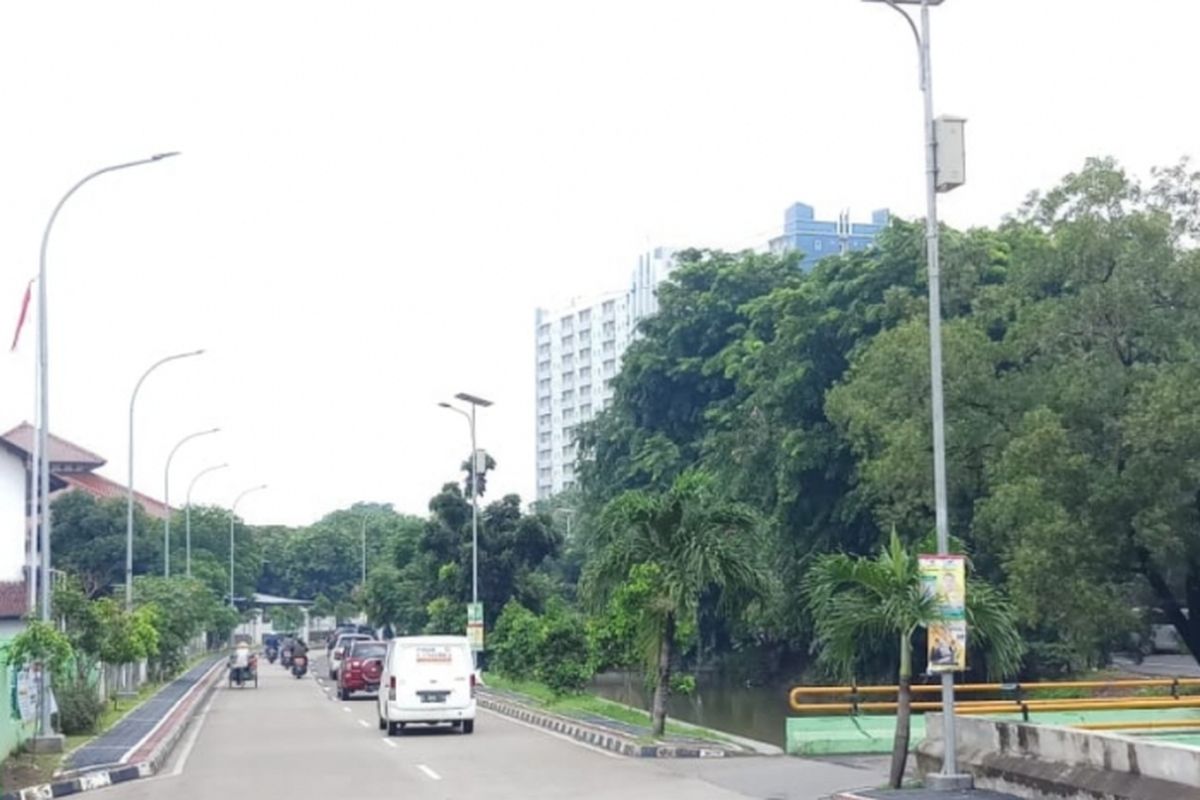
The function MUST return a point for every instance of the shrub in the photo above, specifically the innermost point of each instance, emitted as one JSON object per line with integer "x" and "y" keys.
{"x": 563, "y": 661}
{"x": 79, "y": 707}
{"x": 516, "y": 641}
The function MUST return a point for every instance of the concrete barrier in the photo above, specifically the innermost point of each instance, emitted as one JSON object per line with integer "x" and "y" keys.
{"x": 1039, "y": 761}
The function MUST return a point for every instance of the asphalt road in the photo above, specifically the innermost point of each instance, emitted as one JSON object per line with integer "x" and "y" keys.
{"x": 290, "y": 738}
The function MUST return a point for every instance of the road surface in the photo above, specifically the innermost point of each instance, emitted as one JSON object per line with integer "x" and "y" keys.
{"x": 291, "y": 738}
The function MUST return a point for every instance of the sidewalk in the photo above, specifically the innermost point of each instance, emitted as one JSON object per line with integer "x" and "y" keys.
{"x": 133, "y": 738}
{"x": 921, "y": 794}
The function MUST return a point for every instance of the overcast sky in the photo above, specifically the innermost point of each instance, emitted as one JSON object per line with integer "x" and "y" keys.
{"x": 374, "y": 196}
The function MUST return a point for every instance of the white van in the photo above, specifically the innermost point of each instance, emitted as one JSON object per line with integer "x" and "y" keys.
{"x": 428, "y": 680}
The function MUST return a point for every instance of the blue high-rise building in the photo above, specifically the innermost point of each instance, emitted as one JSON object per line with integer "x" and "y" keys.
{"x": 819, "y": 238}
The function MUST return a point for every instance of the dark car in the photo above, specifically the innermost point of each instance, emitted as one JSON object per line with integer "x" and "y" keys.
{"x": 361, "y": 668}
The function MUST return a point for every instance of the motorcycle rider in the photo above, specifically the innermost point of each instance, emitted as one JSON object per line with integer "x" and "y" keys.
{"x": 241, "y": 662}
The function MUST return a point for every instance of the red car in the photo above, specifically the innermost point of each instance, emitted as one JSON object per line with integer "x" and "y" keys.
{"x": 361, "y": 669}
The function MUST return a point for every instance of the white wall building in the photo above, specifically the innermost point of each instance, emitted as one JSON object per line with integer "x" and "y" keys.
{"x": 578, "y": 352}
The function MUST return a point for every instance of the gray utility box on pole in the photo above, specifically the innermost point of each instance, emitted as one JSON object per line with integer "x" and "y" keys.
{"x": 949, "y": 134}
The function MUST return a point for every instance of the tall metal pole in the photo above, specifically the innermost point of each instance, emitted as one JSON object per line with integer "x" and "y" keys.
{"x": 474, "y": 513}
{"x": 232, "y": 517}
{"x": 933, "y": 268}
{"x": 43, "y": 361}
{"x": 364, "y": 552}
{"x": 188, "y": 514}
{"x": 950, "y": 763}
{"x": 167, "y": 498}
{"x": 129, "y": 488}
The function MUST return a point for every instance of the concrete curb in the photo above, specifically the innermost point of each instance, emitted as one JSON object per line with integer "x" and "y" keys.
{"x": 596, "y": 737}
{"x": 90, "y": 779}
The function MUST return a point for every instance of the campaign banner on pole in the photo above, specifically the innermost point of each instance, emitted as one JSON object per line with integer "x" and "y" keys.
{"x": 475, "y": 625}
{"x": 944, "y": 577}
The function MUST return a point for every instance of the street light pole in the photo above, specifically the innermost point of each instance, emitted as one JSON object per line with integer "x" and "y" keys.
{"x": 41, "y": 449}
{"x": 950, "y": 777}
{"x": 474, "y": 467}
{"x": 188, "y": 513}
{"x": 167, "y": 498}
{"x": 364, "y": 552}
{"x": 232, "y": 517}
{"x": 129, "y": 488}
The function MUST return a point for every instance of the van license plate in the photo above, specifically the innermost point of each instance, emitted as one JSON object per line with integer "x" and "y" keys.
{"x": 433, "y": 697}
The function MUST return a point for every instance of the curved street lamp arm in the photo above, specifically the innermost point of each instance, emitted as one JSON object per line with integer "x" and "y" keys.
{"x": 79, "y": 185}
{"x": 916, "y": 35}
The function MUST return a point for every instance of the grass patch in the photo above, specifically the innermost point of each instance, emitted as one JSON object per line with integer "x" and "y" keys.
{"x": 590, "y": 704}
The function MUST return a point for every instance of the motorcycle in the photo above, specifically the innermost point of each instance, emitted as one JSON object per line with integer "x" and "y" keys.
{"x": 272, "y": 654}
{"x": 300, "y": 666}
{"x": 285, "y": 658}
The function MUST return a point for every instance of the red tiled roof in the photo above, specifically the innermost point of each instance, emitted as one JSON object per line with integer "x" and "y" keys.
{"x": 102, "y": 488}
{"x": 62, "y": 452}
{"x": 13, "y": 596}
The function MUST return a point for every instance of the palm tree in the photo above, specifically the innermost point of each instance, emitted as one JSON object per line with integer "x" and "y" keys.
{"x": 692, "y": 540}
{"x": 858, "y": 600}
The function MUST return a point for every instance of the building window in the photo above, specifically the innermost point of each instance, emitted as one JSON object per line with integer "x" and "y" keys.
{"x": 609, "y": 307}
{"x": 568, "y": 361}
{"x": 543, "y": 420}
{"x": 543, "y": 438}
{"x": 610, "y": 330}
{"x": 544, "y": 386}
{"x": 568, "y": 452}
{"x": 568, "y": 396}
{"x": 544, "y": 331}
{"x": 610, "y": 348}
{"x": 543, "y": 403}
{"x": 543, "y": 473}
{"x": 585, "y": 391}
{"x": 568, "y": 485}
{"x": 544, "y": 349}
{"x": 543, "y": 366}
{"x": 610, "y": 368}
{"x": 568, "y": 324}
{"x": 568, "y": 416}
{"x": 585, "y": 337}
{"x": 569, "y": 434}
{"x": 585, "y": 411}
{"x": 585, "y": 355}
{"x": 544, "y": 455}
{"x": 585, "y": 316}
{"x": 568, "y": 342}
{"x": 585, "y": 373}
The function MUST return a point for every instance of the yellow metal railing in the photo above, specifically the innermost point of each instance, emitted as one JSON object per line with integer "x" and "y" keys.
{"x": 1015, "y": 698}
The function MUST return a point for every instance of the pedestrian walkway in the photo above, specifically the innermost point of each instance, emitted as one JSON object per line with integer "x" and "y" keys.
{"x": 115, "y": 745}
{"x": 922, "y": 794}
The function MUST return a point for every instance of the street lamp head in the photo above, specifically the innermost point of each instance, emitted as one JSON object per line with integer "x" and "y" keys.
{"x": 161, "y": 156}
{"x": 473, "y": 400}
{"x": 908, "y": 2}
{"x": 445, "y": 405}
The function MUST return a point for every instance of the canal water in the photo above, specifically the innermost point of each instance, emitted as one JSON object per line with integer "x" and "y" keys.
{"x": 756, "y": 712}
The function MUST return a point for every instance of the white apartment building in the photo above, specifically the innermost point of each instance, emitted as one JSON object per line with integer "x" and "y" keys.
{"x": 579, "y": 351}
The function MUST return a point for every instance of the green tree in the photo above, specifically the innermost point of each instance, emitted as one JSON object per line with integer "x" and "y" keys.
{"x": 697, "y": 541}
{"x": 859, "y": 600}
{"x": 90, "y": 539}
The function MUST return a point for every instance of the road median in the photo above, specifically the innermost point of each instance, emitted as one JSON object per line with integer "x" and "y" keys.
{"x": 624, "y": 735}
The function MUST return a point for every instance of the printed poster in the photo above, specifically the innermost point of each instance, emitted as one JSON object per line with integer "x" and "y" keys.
{"x": 475, "y": 625}
{"x": 945, "y": 578}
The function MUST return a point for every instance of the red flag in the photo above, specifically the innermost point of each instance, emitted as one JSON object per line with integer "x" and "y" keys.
{"x": 21, "y": 319}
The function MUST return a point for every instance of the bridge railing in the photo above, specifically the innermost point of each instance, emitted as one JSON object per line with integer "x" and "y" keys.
{"x": 1008, "y": 698}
